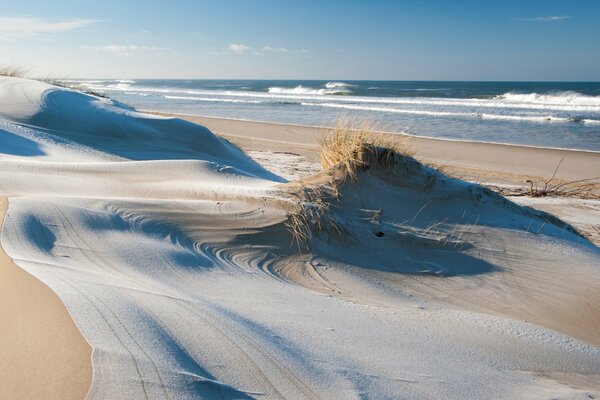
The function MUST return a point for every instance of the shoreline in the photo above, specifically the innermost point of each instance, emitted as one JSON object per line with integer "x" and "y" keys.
{"x": 491, "y": 163}
{"x": 407, "y": 135}
{"x": 44, "y": 355}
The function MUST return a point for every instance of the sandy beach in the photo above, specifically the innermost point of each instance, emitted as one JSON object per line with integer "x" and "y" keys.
{"x": 479, "y": 162}
{"x": 196, "y": 270}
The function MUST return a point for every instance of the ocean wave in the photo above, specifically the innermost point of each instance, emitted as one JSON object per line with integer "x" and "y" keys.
{"x": 568, "y": 101}
{"x": 474, "y": 115}
{"x": 124, "y": 81}
{"x": 80, "y": 81}
{"x": 208, "y": 99}
{"x": 333, "y": 85}
{"x": 557, "y": 98}
{"x": 301, "y": 90}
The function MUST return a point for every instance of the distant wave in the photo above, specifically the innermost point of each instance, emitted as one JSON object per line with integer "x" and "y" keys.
{"x": 303, "y": 93}
{"x": 571, "y": 102}
{"x": 208, "y": 99}
{"x": 557, "y": 98}
{"x": 83, "y": 82}
{"x": 566, "y": 101}
{"x": 525, "y": 118}
{"x": 124, "y": 81}
{"x": 310, "y": 91}
{"x": 333, "y": 85}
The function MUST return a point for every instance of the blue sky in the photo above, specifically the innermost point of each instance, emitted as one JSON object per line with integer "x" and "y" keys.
{"x": 405, "y": 40}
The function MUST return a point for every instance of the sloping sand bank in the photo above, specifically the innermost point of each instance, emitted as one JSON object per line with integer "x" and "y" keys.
{"x": 44, "y": 356}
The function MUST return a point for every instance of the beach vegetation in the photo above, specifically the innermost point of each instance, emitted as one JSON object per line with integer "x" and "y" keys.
{"x": 13, "y": 71}
{"x": 346, "y": 150}
{"x": 354, "y": 145}
{"x": 552, "y": 187}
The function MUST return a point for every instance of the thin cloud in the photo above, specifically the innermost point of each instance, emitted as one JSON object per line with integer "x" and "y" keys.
{"x": 239, "y": 48}
{"x": 550, "y": 18}
{"x": 126, "y": 50}
{"x": 259, "y": 51}
{"x": 12, "y": 28}
{"x": 275, "y": 49}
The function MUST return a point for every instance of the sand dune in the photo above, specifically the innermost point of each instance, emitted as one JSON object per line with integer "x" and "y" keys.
{"x": 168, "y": 247}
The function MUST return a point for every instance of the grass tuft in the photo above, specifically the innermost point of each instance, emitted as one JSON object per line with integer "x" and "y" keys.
{"x": 13, "y": 71}
{"x": 551, "y": 187}
{"x": 312, "y": 213}
{"x": 74, "y": 86}
{"x": 346, "y": 150}
{"x": 355, "y": 145}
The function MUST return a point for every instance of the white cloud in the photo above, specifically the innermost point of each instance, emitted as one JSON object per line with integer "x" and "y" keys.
{"x": 126, "y": 50}
{"x": 12, "y": 28}
{"x": 275, "y": 49}
{"x": 239, "y": 48}
{"x": 259, "y": 51}
{"x": 550, "y": 18}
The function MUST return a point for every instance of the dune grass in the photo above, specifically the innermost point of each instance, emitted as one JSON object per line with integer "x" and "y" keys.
{"x": 582, "y": 188}
{"x": 353, "y": 145}
{"x": 13, "y": 71}
{"x": 347, "y": 149}
{"x": 18, "y": 71}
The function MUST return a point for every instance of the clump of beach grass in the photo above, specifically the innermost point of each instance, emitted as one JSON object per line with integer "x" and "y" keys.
{"x": 354, "y": 145}
{"x": 311, "y": 213}
{"x": 74, "y": 86}
{"x": 347, "y": 149}
{"x": 13, "y": 71}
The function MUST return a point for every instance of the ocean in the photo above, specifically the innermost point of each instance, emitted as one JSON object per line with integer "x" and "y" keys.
{"x": 547, "y": 114}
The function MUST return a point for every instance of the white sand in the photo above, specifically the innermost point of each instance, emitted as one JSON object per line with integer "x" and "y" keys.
{"x": 167, "y": 246}
{"x": 43, "y": 355}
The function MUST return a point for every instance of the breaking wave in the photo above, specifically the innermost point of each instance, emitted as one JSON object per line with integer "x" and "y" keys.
{"x": 300, "y": 90}
{"x": 557, "y": 98}
{"x": 525, "y": 118}
{"x": 332, "y": 85}
{"x": 208, "y": 99}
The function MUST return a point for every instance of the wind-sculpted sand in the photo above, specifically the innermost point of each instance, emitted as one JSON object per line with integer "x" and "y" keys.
{"x": 44, "y": 355}
{"x": 169, "y": 248}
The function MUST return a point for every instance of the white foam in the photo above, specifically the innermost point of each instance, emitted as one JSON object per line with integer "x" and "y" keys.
{"x": 301, "y": 90}
{"x": 332, "y": 85}
{"x": 211, "y": 99}
{"x": 559, "y": 98}
{"x": 570, "y": 102}
{"x": 590, "y": 121}
{"x": 529, "y": 118}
